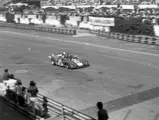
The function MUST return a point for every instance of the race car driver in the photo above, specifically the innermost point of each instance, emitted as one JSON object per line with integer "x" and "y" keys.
{"x": 60, "y": 59}
{"x": 67, "y": 55}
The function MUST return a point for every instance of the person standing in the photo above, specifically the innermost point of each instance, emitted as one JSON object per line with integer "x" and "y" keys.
{"x": 102, "y": 113}
{"x": 11, "y": 83}
{"x": 33, "y": 91}
{"x": 18, "y": 90}
{"x": 5, "y": 75}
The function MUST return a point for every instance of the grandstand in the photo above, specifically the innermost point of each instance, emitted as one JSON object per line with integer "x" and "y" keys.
{"x": 4, "y": 2}
{"x": 30, "y": 2}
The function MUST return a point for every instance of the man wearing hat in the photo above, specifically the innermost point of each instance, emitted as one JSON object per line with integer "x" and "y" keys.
{"x": 5, "y": 75}
{"x": 34, "y": 101}
{"x": 11, "y": 83}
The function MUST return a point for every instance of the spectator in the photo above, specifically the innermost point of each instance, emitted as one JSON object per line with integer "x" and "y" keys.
{"x": 102, "y": 113}
{"x": 34, "y": 102}
{"x": 11, "y": 83}
{"x": 33, "y": 90}
{"x": 19, "y": 94}
{"x": 5, "y": 75}
{"x": 18, "y": 87}
{"x": 25, "y": 95}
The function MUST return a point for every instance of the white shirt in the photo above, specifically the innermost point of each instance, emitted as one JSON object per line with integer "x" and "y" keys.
{"x": 2, "y": 89}
{"x": 11, "y": 83}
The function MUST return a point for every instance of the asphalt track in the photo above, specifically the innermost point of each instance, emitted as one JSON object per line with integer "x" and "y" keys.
{"x": 8, "y": 113}
{"x": 119, "y": 69}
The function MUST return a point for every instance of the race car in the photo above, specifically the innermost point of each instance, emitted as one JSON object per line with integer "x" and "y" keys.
{"x": 68, "y": 61}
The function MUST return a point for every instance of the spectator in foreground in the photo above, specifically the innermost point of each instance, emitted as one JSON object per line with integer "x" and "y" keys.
{"x": 33, "y": 91}
{"x": 11, "y": 83}
{"x": 19, "y": 94}
{"x": 102, "y": 113}
{"x": 5, "y": 75}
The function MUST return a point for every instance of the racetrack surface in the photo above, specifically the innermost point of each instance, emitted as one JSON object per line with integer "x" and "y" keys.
{"x": 117, "y": 68}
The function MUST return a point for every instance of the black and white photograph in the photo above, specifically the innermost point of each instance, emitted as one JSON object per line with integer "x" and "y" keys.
{"x": 79, "y": 59}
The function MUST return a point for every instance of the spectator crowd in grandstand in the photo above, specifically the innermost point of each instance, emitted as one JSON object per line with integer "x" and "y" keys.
{"x": 119, "y": 11}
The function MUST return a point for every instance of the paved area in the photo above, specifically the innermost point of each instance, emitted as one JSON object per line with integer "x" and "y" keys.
{"x": 123, "y": 75}
{"x": 126, "y": 101}
{"x": 147, "y": 110}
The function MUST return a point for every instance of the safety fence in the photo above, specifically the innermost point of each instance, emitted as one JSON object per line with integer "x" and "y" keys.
{"x": 126, "y": 37}
{"x": 64, "y": 111}
{"x": 65, "y": 31}
{"x": 51, "y": 110}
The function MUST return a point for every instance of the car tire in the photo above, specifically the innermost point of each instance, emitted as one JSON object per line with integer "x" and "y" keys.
{"x": 67, "y": 66}
{"x": 87, "y": 64}
{"x": 52, "y": 62}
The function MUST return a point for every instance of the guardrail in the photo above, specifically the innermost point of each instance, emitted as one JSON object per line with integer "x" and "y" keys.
{"x": 52, "y": 108}
{"x": 40, "y": 28}
{"x": 126, "y": 37}
{"x": 64, "y": 111}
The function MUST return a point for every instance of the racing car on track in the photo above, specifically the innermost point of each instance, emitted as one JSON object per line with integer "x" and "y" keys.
{"x": 68, "y": 61}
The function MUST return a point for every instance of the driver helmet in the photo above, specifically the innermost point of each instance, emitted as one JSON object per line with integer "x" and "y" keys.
{"x": 64, "y": 53}
{"x": 75, "y": 56}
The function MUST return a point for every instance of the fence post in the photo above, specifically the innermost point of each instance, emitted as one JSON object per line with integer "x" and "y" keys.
{"x": 63, "y": 114}
{"x": 127, "y": 114}
{"x": 45, "y": 102}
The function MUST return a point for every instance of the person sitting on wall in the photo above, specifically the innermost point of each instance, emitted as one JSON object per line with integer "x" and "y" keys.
{"x": 34, "y": 102}
{"x": 19, "y": 95}
{"x": 11, "y": 85}
{"x": 5, "y": 75}
{"x": 26, "y": 96}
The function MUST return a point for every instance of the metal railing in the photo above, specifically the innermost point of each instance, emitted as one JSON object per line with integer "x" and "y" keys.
{"x": 53, "y": 108}
{"x": 64, "y": 111}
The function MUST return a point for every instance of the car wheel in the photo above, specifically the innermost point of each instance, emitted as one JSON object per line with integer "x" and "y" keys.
{"x": 67, "y": 66}
{"x": 52, "y": 62}
{"x": 87, "y": 64}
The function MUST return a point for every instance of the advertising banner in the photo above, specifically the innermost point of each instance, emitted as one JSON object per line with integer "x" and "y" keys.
{"x": 45, "y": 3}
{"x": 101, "y": 21}
{"x": 52, "y": 17}
{"x": 75, "y": 18}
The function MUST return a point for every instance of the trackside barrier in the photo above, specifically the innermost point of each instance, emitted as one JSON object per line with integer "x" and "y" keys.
{"x": 52, "y": 108}
{"x": 64, "y": 111}
{"x": 10, "y": 98}
{"x": 127, "y": 37}
{"x": 40, "y": 28}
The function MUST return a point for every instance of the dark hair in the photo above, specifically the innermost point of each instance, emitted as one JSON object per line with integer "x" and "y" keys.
{"x": 5, "y": 70}
{"x": 23, "y": 89}
{"x": 99, "y": 105}
{"x": 32, "y": 83}
{"x": 11, "y": 76}
{"x": 19, "y": 82}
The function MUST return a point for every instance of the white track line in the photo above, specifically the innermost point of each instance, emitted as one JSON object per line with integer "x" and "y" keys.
{"x": 82, "y": 43}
